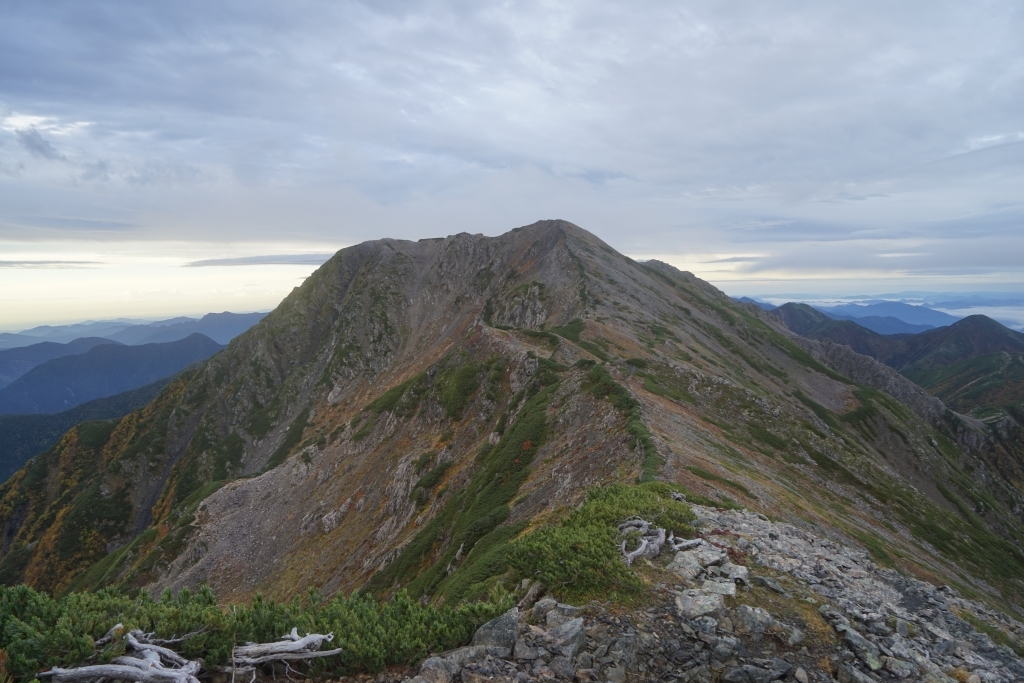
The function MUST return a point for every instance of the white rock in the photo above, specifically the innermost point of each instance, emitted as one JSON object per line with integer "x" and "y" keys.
{"x": 719, "y": 587}
{"x": 694, "y": 603}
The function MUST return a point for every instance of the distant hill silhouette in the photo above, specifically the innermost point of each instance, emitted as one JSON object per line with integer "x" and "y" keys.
{"x": 885, "y": 324}
{"x": 24, "y": 436}
{"x": 104, "y": 370}
{"x": 16, "y": 362}
{"x": 914, "y": 315}
{"x": 220, "y": 327}
{"x": 974, "y": 365}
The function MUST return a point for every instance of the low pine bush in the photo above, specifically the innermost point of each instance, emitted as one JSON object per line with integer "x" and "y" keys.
{"x": 38, "y": 631}
{"x": 578, "y": 559}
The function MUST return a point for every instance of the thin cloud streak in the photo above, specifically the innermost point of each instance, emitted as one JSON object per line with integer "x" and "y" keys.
{"x": 267, "y": 260}
{"x": 49, "y": 264}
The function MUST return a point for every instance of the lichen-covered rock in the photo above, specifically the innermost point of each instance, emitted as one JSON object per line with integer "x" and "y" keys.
{"x": 567, "y": 638}
{"x": 499, "y": 632}
{"x": 695, "y": 603}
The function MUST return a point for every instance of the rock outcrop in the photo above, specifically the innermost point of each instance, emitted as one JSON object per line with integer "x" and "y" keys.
{"x": 831, "y": 614}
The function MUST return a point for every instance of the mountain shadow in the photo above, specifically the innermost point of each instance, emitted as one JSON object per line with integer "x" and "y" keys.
{"x": 25, "y": 436}
{"x": 17, "y": 361}
{"x": 104, "y": 370}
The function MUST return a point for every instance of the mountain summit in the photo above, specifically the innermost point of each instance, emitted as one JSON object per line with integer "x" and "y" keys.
{"x": 415, "y": 406}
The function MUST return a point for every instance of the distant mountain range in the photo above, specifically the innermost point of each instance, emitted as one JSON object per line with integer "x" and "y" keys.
{"x": 885, "y": 324}
{"x": 104, "y": 370}
{"x": 220, "y": 327}
{"x": 16, "y": 362}
{"x": 25, "y": 436}
{"x": 913, "y": 315}
{"x": 975, "y": 365}
{"x": 885, "y": 317}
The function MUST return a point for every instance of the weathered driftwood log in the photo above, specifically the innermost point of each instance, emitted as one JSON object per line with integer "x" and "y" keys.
{"x": 290, "y": 648}
{"x": 534, "y": 592}
{"x": 651, "y": 541}
{"x": 150, "y": 662}
{"x": 635, "y": 524}
{"x": 146, "y": 668}
{"x": 678, "y": 544}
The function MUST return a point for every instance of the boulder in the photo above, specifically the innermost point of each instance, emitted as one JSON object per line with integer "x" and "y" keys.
{"x": 499, "y": 632}
{"x": 898, "y": 667}
{"x": 719, "y": 587}
{"x": 709, "y": 556}
{"x": 768, "y": 582}
{"x": 559, "y": 614}
{"x": 439, "y": 670}
{"x": 562, "y": 668}
{"x": 469, "y": 653}
{"x": 615, "y": 674}
{"x": 725, "y": 648}
{"x": 748, "y": 673}
{"x": 849, "y": 674}
{"x": 694, "y": 603}
{"x": 566, "y": 639}
{"x": 865, "y": 650}
{"x": 542, "y": 607}
{"x": 737, "y": 573}
{"x": 749, "y": 619}
{"x": 686, "y": 565}
{"x": 524, "y": 651}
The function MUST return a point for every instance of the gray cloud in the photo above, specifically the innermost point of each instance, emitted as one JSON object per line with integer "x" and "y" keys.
{"x": 735, "y": 259}
{"x": 37, "y": 145}
{"x": 815, "y": 134}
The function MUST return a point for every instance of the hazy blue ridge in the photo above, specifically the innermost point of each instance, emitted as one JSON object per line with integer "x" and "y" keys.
{"x": 760, "y": 304}
{"x": 17, "y": 361}
{"x": 914, "y": 315}
{"x": 884, "y": 324}
{"x": 23, "y": 437}
{"x": 104, "y": 370}
{"x": 220, "y": 327}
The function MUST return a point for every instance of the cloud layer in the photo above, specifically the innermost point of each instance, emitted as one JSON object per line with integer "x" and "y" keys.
{"x": 745, "y": 140}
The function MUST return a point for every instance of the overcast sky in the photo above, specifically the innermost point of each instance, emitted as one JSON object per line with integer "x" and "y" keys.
{"x": 784, "y": 146}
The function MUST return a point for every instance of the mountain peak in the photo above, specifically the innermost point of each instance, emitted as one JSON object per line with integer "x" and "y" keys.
{"x": 413, "y": 407}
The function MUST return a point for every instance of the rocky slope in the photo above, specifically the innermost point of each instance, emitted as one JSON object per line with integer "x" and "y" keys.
{"x": 757, "y": 601}
{"x": 416, "y": 405}
{"x": 974, "y": 365}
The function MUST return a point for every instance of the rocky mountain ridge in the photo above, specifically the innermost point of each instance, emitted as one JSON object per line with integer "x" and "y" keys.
{"x": 414, "y": 407}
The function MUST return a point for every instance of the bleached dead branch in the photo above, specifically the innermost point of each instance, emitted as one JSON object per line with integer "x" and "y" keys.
{"x": 148, "y": 661}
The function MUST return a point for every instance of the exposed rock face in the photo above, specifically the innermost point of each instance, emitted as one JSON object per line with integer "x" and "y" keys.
{"x": 337, "y": 442}
{"x": 867, "y": 370}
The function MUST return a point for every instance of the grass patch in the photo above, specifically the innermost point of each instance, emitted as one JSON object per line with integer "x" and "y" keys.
{"x": 601, "y": 384}
{"x": 711, "y": 476}
{"x": 998, "y": 635}
{"x": 571, "y": 330}
{"x": 471, "y": 514}
{"x": 766, "y": 437}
